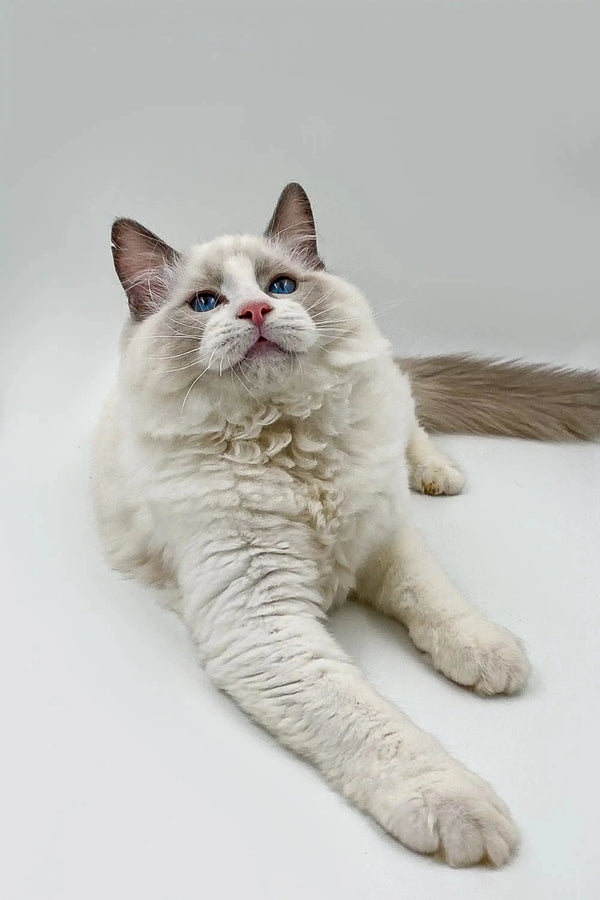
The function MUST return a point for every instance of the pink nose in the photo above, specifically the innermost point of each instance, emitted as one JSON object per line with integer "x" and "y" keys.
{"x": 255, "y": 311}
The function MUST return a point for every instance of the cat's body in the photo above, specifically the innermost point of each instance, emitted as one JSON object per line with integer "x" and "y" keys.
{"x": 254, "y": 462}
{"x": 320, "y": 478}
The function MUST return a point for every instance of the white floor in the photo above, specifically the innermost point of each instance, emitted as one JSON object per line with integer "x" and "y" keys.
{"x": 127, "y": 775}
{"x": 123, "y": 773}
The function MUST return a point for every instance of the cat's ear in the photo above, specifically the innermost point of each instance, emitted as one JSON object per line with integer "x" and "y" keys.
{"x": 293, "y": 225}
{"x": 145, "y": 266}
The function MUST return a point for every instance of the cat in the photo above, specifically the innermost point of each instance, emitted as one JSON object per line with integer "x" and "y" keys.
{"x": 254, "y": 463}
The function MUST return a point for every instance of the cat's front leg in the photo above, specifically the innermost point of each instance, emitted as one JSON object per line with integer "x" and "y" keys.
{"x": 430, "y": 470}
{"x": 405, "y": 582}
{"x": 262, "y": 640}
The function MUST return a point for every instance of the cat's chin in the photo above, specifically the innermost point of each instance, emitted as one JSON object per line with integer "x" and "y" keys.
{"x": 265, "y": 365}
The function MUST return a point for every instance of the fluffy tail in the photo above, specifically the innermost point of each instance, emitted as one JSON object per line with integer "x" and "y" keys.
{"x": 462, "y": 394}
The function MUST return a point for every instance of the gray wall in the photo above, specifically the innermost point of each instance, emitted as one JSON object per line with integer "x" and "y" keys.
{"x": 451, "y": 149}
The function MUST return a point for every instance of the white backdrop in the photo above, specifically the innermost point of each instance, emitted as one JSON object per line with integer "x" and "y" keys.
{"x": 452, "y": 153}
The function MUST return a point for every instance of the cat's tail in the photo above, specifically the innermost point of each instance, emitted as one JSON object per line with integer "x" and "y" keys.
{"x": 463, "y": 394}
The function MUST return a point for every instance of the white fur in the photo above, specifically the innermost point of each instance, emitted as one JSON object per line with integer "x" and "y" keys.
{"x": 431, "y": 472}
{"x": 277, "y": 488}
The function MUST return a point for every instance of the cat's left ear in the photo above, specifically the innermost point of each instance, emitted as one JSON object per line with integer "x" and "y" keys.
{"x": 145, "y": 266}
{"x": 293, "y": 225}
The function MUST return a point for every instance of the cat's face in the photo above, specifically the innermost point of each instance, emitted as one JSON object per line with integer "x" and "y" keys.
{"x": 245, "y": 307}
{"x": 245, "y": 316}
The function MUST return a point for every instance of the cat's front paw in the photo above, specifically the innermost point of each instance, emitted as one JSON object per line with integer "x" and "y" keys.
{"x": 475, "y": 653}
{"x": 454, "y": 812}
{"x": 436, "y": 476}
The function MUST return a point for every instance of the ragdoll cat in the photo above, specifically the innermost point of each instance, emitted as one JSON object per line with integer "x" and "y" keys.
{"x": 254, "y": 461}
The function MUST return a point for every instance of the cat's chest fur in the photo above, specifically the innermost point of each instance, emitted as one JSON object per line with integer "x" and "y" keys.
{"x": 330, "y": 482}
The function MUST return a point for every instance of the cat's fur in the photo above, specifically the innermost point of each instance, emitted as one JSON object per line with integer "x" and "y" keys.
{"x": 259, "y": 491}
{"x": 464, "y": 395}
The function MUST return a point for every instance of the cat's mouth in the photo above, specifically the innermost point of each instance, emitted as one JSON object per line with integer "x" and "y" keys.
{"x": 263, "y": 347}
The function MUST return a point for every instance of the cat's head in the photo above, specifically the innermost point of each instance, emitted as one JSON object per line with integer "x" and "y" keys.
{"x": 240, "y": 318}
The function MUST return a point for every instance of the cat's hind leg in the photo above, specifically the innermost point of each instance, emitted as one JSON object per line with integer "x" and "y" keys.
{"x": 405, "y": 582}
{"x": 431, "y": 471}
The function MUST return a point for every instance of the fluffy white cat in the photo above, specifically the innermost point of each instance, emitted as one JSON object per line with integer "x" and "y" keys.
{"x": 254, "y": 462}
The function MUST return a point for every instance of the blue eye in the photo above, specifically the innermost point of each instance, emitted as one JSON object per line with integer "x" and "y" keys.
{"x": 204, "y": 301}
{"x": 283, "y": 285}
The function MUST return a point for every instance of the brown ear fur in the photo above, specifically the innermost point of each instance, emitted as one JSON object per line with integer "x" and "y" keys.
{"x": 293, "y": 225}
{"x": 144, "y": 264}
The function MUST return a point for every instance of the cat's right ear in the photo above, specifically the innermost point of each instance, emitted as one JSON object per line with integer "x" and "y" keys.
{"x": 145, "y": 266}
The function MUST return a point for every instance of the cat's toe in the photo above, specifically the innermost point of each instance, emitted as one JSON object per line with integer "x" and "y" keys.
{"x": 502, "y": 676}
{"x": 502, "y": 664}
{"x": 477, "y": 654}
{"x": 459, "y": 815}
{"x": 437, "y": 477}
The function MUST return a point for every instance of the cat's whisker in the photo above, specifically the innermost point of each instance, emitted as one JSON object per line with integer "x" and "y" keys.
{"x": 330, "y": 323}
{"x": 379, "y": 312}
{"x": 322, "y": 299}
{"x": 195, "y": 381}
{"x": 180, "y": 368}
{"x": 308, "y": 296}
{"x": 324, "y": 349}
{"x": 184, "y": 336}
{"x": 318, "y": 317}
{"x": 179, "y": 334}
{"x": 331, "y": 329}
{"x": 176, "y": 355}
{"x": 246, "y": 388}
{"x": 324, "y": 312}
{"x": 152, "y": 337}
{"x": 300, "y": 366}
{"x": 176, "y": 322}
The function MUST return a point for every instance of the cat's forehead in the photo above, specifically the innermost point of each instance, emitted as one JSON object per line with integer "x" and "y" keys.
{"x": 232, "y": 257}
